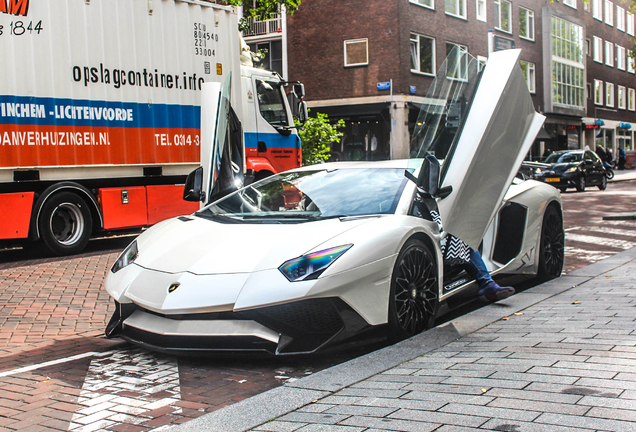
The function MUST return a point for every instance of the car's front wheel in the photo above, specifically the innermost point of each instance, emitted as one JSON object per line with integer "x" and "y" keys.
{"x": 580, "y": 184}
{"x": 552, "y": 249}
{"x": 603, "y": 184}
{"x": 414, "y": 296}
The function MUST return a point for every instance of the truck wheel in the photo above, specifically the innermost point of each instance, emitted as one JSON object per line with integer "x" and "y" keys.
{"x": 65, "y": 223}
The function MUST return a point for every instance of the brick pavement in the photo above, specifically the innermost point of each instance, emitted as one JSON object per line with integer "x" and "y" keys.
{"x": 564, "y": 361}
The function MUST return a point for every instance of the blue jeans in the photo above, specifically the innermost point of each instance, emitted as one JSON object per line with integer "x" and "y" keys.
{"x": 477, "y": 269}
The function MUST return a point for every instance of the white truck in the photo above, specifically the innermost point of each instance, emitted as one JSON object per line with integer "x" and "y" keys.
{"x": 100, "y": 113}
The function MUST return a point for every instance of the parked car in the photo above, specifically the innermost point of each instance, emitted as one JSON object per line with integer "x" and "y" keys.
{"x": 573, "y": 169}
{"x": 315, "y": 256}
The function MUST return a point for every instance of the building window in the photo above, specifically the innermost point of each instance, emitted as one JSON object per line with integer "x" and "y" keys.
{"x": 457, "y": 64}
{"x": 631, "y": 100}
{"x": 598, "y": 49}
{"x": 571, "y": 3}
{"x": 609, "y": 94}
{"x": 273, "y": 58}
{"x": 502, "y": 16}
{"x": 356, "y": 52}
{"x": 481, "y": 10}
{"x": 621, "y": 97}
{"x": 597, "y": 9}
{"x": 526, "y": 23}
{"x": 624, "y": 138}
{"x": 609, "y": 13}
{"x": 598, "y": 92}
{"x": 609, "y": 53}
{"x": 425, "y": 3}
{"x": 620, "y": 18}
{"x": 527, "y": 69}
{"x": 456, "y": 8}
{"x": 630, "y": 23}
{"x": 620, "y": 57}
{"x": 422, "y": 54}
{"x": 630, "y": 64}
{"x": 568, "y": 64}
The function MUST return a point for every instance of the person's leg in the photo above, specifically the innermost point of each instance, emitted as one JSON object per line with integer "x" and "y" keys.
{"x": 488, "y": 288}
{"x": 477, "y": 269}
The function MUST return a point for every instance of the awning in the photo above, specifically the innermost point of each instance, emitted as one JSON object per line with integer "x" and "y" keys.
{"x": 597, "y": 122}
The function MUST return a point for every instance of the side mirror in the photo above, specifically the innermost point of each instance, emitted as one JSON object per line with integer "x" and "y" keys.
{"x": 299, "y": 90}
{"x": 193, "y": 185}
{"x": 428, "y": 180}
{"x": 303, "y": 112}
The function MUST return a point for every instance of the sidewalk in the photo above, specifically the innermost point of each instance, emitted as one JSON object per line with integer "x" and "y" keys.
{"x": 623, "y": 175}
{"x": 558, "y": 357}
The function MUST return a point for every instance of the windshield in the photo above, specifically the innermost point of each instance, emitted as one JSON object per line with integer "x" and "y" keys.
{"x": 445, "y": 107}
{"x": 270, "y": 102}
{"x": 564, "y": 157}
{"x": 311, "y": 195}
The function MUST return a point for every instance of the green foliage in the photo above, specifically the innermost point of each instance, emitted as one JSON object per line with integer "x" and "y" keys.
{"x": 317, "y": 136}
{"x": 263, "y": 9}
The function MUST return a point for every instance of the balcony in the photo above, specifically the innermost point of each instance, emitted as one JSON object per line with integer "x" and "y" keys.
{"x": 257, "y": 27}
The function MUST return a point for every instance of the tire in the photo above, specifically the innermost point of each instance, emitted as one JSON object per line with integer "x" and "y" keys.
{"x": 580, "y": 184}
{"x": 65, "y": 223}
{"x": 552, "y": 250}
{"x": 609, "y": 173}
{"x": 603, "y": 184}
{"x": 414, "y": 294}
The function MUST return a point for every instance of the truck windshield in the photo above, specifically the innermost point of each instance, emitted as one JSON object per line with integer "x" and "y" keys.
{"x": 310, "y": 195}
{"x": 271, "y": 103}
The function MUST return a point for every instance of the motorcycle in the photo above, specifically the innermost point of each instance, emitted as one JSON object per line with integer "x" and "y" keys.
{"x": 609, "y": 172}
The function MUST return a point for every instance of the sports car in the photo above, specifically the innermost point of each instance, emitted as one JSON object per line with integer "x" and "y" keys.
{"x": 316, "y": 256}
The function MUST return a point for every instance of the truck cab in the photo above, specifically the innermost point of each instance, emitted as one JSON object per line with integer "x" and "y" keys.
{"x": 271, "y": 141}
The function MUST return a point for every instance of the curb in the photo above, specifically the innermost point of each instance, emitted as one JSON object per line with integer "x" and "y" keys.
{"x": 277, "y": 402}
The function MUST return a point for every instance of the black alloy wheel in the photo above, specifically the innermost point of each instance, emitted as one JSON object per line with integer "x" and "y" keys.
{"x": 414, "y": 296}
{"x": 552, "y": 250}
{"x": 603, "y": 184}
{"x": 580, "y": 184}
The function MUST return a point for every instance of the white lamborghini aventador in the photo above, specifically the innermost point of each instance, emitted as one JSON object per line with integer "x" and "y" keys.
{"x": 317, "y": 255}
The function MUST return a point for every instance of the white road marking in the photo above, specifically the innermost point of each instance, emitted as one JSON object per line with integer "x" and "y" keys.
{"x": 124, "y": 387}
{"x": 587, "y": 255}
{"x": 615, "y": 243}
{"x": 608, "y": 230}
{"x": 55, "y": 362}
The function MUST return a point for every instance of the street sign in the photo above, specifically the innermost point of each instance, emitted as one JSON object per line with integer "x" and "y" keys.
{"x": 502, "y": 43}
{"x": 386, "y": 85}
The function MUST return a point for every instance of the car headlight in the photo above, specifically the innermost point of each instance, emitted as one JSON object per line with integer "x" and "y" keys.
{"x": 572, "y": 169}
{"x": 538, "y": 171}
{"x": 311, "y": 266}
{"x": 126, "y": 258}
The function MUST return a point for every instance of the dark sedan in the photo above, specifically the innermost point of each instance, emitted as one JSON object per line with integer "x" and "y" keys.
{"x": 573, "y": 169}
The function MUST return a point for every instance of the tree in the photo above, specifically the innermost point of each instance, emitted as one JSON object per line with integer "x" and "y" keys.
{"x": 262, "y": 9}
{"x": 317, "y": 135}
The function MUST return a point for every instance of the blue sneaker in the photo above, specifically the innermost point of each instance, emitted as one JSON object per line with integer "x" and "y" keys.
{"x": 493, "y": 292}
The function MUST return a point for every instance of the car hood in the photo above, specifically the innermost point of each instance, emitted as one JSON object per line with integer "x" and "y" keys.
{"x": 203, "y": 247}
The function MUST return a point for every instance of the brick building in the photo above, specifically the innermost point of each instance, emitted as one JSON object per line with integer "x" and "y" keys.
{"x": 573, "y": 56}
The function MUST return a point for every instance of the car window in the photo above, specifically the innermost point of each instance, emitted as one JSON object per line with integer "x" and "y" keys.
{"x": 592, "y": 156}
{"x": 295, "y": 196}
{"x": 565, "y": 157}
